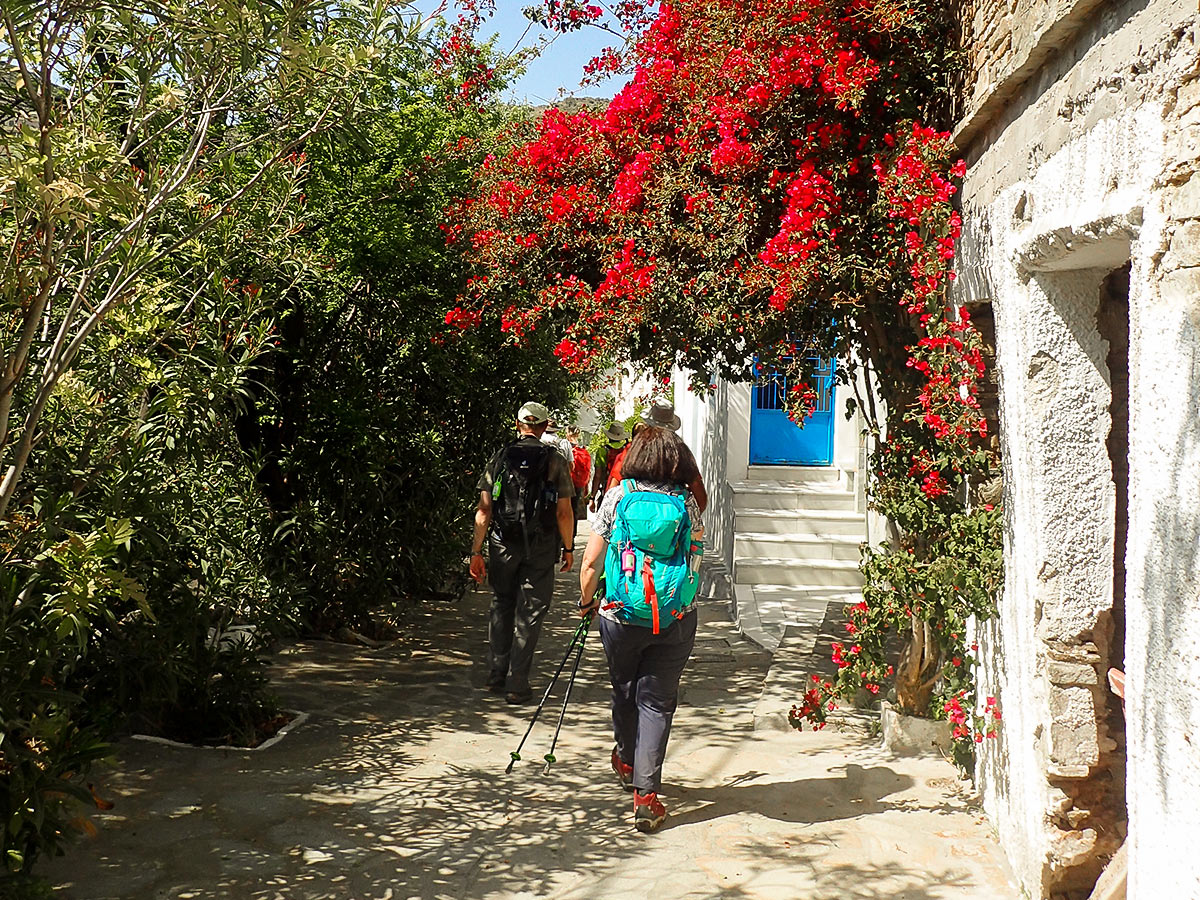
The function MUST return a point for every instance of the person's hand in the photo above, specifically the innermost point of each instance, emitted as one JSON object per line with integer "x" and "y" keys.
{"x": 478, "y": 568}
{"x": 568, "y": 560}
{"x": 587, "y": 607}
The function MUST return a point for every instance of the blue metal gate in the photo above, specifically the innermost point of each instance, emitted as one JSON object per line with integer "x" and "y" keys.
{"x": 777, "y": 440}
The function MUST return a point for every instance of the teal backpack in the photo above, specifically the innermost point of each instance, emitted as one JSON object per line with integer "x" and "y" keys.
{"x": 646, "y": 570}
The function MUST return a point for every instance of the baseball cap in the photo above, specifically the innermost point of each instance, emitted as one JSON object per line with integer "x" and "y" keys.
{"x": 533, "y": 413}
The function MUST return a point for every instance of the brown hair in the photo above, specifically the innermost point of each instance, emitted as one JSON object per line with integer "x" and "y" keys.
{"x": 659, "y": 455}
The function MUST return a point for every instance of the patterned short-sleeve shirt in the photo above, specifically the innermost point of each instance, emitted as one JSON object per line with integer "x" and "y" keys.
{"x": 606, "y": 515}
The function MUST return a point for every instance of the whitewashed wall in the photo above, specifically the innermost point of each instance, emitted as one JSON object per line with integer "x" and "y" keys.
{"x": 1093, "y": 161}
{"x": 705, "y": 428}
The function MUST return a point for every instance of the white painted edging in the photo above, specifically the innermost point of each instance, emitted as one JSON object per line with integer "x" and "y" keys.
{"x": 299, "y": 718}
{"x": 913, "y": 735}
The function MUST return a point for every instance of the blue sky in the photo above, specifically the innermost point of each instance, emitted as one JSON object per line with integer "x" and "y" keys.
{"x": 559, "y": 66}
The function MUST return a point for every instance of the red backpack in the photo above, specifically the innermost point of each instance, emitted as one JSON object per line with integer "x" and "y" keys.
{"x": 581, "y": 468}
{"x": 615, "y": 463}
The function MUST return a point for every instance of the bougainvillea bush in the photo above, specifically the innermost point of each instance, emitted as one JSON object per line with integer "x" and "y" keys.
{"x": 766, "y": 187}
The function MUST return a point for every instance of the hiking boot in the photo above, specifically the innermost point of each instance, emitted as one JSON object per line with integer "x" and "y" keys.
{"x": 623, "y": 770}
{"x": 495, "y": 684}
{"x": 517, "y": 697}
{"x": 648, "y": 813}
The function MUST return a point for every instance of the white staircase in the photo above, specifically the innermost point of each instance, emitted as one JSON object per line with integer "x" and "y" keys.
{"x": 796, "y": 548}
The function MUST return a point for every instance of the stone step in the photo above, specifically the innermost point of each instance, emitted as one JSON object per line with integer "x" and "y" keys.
{"x": 795, "y": 474}
{"x": 822, "y": 522}
{"x": 810, "y": 572}
{"x": 753, "y": 495}
{"x": 795, "y": 546}
{"x": 762, "y": 611}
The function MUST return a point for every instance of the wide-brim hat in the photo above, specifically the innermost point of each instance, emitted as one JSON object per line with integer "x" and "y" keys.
{"x": 615, "y": 433}
{"x": 533, "y": 413}
{"x": 551, "y": 427}
{"x": 661, "y": 414}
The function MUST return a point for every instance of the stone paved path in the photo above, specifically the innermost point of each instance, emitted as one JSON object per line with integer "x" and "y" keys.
{"x": 395, "y": 788}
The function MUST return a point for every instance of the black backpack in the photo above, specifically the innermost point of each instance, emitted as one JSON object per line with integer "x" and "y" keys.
{"x": 524, "y": 500}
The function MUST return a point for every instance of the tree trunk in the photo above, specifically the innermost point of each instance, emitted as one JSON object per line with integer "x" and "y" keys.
{"x": 917, "y": 672}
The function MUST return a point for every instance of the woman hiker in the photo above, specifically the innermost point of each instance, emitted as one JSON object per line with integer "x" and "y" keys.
{"x": 646, "y": 656}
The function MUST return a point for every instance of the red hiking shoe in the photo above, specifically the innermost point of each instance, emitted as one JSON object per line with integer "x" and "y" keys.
{"x": 648, "y": 813}
{"x": 623, "y": 771}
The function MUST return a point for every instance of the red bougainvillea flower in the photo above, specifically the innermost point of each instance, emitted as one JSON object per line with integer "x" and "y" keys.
{"x": 764, "y": 186}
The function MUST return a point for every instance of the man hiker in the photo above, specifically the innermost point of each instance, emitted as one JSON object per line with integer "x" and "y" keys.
{"x": 525, "y": 516}
{"x": 556, "y": 440}
{"x": 615, "y": 441}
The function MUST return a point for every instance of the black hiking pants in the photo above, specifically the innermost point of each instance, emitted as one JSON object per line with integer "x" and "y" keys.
{"x": 523, "y": 583}
{"x": 644, "y": 668}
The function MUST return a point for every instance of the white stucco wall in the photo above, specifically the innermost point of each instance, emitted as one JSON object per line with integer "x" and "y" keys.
{"x": 1163, "y": 641}
{"x": 632, "y": 387}
{"x": 1094, "y": 163}
{"x": 705, "y": 428}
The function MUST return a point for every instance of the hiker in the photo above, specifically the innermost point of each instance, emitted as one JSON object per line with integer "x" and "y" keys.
{"x": 558, "y": 441}
{"x": 581, "y": 471}
{"x": 615, "y": 441}
{"x": 646, "y": 538}
{"x": 661, "y": 414}
{"x": 525, "y": 515}
{"x": 614, "y": 470}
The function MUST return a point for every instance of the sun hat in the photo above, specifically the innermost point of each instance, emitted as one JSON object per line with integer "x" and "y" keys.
{"x": 552, "y": 427}
{"x": 533, "y": 413}
{"x": 615, "y": 433}
{"x": 661, "y": 414}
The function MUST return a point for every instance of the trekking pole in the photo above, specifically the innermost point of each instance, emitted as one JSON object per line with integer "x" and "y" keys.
{"x": 580, "y": 632}
{"x": 549, "y": 757}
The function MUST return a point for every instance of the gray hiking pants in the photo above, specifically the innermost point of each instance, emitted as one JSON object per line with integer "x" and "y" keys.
{"x": 644, "y": 668}
{"x": 523, "y": 584}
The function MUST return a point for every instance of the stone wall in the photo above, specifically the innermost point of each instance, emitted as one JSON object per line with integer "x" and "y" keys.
{"x": 1081, "y": 125}
{"x": 1005, "y": 43}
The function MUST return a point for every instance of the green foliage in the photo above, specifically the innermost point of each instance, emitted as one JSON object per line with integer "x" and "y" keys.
{"x": 24, "y": 887}
{"x": 45, "y": 742}
{"x": 150, "y": 185}
{"x": 364, "y": 386}
{"x": 226, "y": 407}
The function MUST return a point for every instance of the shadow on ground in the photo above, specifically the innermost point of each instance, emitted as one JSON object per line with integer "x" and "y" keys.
{"x": 395, "y": 788}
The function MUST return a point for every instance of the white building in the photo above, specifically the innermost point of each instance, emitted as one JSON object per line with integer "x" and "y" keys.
{"x": 1080, "y": 123}
{"x": 786, "y": 512}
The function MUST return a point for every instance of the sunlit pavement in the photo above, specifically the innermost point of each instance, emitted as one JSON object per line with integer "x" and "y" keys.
{"x": 395, "y": 788}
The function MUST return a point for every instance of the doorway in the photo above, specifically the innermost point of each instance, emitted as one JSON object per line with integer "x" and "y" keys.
{"x": 775, "y": 440}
